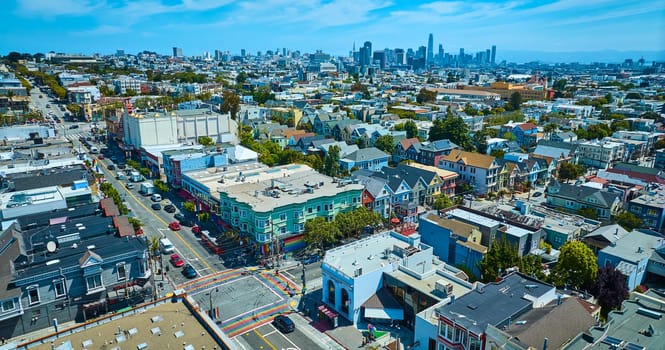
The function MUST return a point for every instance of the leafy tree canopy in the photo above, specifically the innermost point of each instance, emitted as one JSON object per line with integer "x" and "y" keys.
{"x": 577, "y": 267}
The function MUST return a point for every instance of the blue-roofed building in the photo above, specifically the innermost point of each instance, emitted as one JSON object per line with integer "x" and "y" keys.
{"x": 430, "y": 151}
{"x": 633, "y": 255}
{"x": 464, "y": 320}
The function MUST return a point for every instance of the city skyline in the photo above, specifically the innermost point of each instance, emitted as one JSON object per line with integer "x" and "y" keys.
{"x": 561, "y": 27}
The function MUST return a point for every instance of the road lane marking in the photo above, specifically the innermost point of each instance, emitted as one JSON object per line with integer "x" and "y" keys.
{"x": 162, "y": 220}
{"x": 264, "y": 340}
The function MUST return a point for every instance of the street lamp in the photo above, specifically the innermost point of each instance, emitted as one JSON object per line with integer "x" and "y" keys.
{"x": 210, "y": 295}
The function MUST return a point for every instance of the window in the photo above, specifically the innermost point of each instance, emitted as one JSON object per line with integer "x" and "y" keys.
{"x": 282, "y": 217}
{"x": 310, "y": 210}
{"x": 243, "y": 213}
{"x": 235, "y": 208}
{"x": 244, "y": 227}
{"x": 474, "y": 343}
{"x": 260, "y": 223}
{"x": 122, "y": 272}
{"x": 298, "y": 227}
{"x": 8, "y": 305}
{"x": 318, "y": 208}
{"x": 59, "y": 288}
{"x": 33, "y": 295}
{"x": 282, "y": 230}
{"x": 94, "y": 283}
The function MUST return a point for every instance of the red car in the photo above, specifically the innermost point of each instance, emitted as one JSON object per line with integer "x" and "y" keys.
{"x": 177, "y": 261}
{"x": 174, "y": 225}
{"x": 196, "y": 230}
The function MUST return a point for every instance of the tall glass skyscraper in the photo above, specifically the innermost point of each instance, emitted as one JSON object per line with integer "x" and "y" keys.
{"x": 430, "y": 49}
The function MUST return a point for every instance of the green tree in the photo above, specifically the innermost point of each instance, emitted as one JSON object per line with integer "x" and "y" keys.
{"x": 231, "y": 103}
{"x": 498, "y": 153}
{"x": 411, "y": 129}
{"x": 425, "y": 96}
{"x": 331, "y": 162}
{"x": 515, "y": 101}
{"x": 136, "y": 223}
{"x": 205, "y": 141}
{"x": 588, "y": 213}
{"x": 570, "y": 171}
{"x": 500, "y": 257}
{"x": 577, "y": 267}
{"x": 263, "y": 94}
{"x": 452, "y": 128}
{"x": 385, "y": 143}
{"x": 319, "y": 233}
{"x": 189, "y": 206}
{"x": 351, "y": 223}
{"x": 442, "y": 202}
{"x": 620, "y": 125}
{"x": 509, "y": 136}
{"x": 629, "y": 221}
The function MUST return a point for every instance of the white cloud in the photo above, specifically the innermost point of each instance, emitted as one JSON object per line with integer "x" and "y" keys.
{"x": 51, "y": 8}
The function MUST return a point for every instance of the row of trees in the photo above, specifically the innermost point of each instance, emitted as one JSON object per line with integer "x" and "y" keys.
{"x": 320, "y": 233}
{"x": 110, "y": 192}
{"x": 577, "y": 269}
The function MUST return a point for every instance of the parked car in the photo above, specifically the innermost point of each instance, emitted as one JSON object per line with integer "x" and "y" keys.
{"x": 179, "y": 217}
{"x": 169, "y": 208}
{"x": 156, "y": 206}
{"x": 177, "y": 261}
{"x": 174, "y": 225}
{"x": 111, "y": 167}
{"x": 189, "y": 271}
{"x": 129, "y": 186}
{"x": 284, "y": 324}
{"x": 537, "y": 194}
{"x": 196, "y": 230}
{"x": 74, "y": 126}
{"x": 310, "y": 259}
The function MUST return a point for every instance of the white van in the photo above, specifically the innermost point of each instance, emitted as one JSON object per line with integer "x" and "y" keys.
{"x": 156, "y": 197}
{"x": 166, "y": 246}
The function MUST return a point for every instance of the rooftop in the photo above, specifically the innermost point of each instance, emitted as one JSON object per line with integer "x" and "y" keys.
{"x": 270, "y": 188}
{"x": 472, "y": 217}
{"x": 154, "y": 326}
{"x": 495, "y": 303}
{"x": 368, "y": 254}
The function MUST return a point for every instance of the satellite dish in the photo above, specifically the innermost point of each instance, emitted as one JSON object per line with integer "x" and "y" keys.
{"x": 51, "y": 246}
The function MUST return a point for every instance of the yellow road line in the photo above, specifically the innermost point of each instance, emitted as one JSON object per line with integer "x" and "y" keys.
{"x": 204, "y": 261}
{"x": 265, "y": 340}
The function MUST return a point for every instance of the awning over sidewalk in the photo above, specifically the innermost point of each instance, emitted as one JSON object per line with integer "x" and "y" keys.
{"x": 383, "y": 305}
{"x": 386, "y": 314}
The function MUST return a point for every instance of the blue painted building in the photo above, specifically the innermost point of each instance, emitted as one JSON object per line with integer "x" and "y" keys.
{"x": 454, "y": 242}
{"x": 353, "y": 273}
{"x": 366, "y": 158}
{"x": 631, "y": 255}
{"x": 177, "y": 162}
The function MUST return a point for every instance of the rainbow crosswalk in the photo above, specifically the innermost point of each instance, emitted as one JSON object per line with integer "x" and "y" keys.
{"x": 252, "y": 319}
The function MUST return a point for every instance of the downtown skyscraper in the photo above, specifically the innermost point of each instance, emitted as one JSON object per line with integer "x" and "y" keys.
{"x": 430, "y": 49}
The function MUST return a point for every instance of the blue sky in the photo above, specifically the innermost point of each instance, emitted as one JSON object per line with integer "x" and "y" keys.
{"x": 88, "y": 26}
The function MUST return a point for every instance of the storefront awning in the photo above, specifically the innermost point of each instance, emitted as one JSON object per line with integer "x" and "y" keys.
{"x": 386, "y": 314}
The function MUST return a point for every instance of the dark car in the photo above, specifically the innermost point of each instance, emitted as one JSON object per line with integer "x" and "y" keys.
{"x": 121, "y": 165}
{"x": 284, "y": 324}
{"x": 189, "y": 271}
{"x": 74, "y": 126}
{"x": 537, "y": 194}
{"x": 156, "y": 206}
{"x": 310, "y": 259}
{"x": 169, "y": 208}
{"x": 179, "y": 217}
{"x": 111, "y": 167}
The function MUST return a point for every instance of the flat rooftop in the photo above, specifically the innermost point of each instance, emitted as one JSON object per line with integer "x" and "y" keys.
{"x": 367, "y": 253}
{"x": 265, "y": 189}
{"x": 472, "y": 217}
{"x": 30, "y": 197}
{"x": 427, "y": 285}
{"x": 155, "y": 326}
